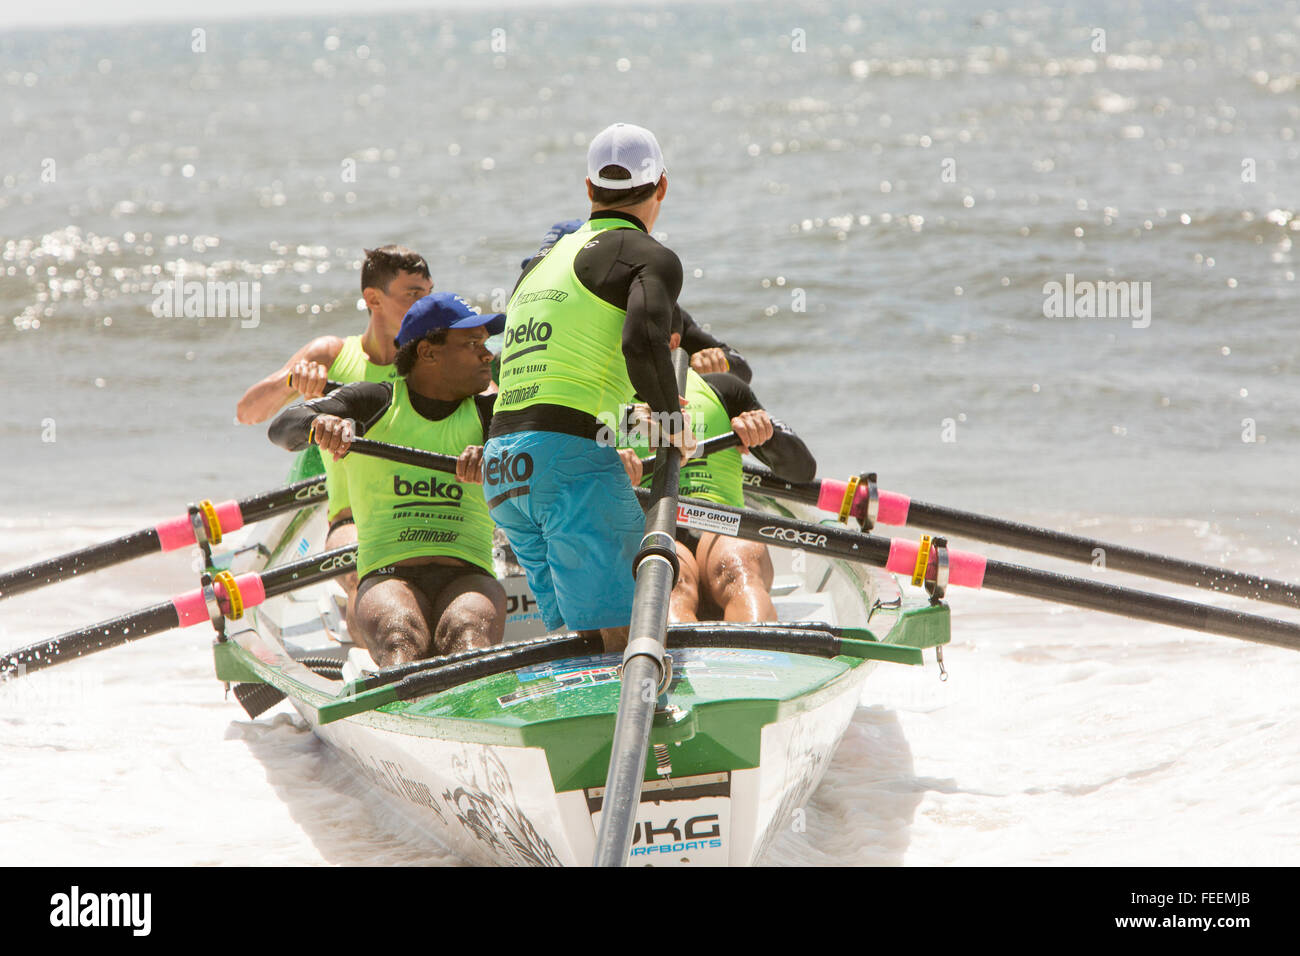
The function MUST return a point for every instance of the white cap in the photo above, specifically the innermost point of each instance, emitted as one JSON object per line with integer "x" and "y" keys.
{"x": 633, "y": 148}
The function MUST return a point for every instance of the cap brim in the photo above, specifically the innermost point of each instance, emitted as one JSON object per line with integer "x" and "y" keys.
{"x": 495, "y": 322}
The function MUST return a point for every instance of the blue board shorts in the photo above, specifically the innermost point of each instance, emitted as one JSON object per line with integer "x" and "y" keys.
{"x": 568, "y": 509}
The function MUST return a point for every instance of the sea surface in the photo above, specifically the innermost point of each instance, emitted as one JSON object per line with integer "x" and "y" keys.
{"x": 870, "y": 201}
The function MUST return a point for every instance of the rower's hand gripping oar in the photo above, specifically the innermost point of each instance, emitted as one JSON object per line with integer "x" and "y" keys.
{"x": 204, "y": 524}
{"x": 932, "y": 563}
{"x": 404, "y": 454}
{"x": 227, "y": 596}
{"x": 643, "y": 661}
{"x": 861, "y": 498}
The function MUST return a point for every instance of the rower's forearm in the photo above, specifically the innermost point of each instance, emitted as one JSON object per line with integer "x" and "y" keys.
{"x": 262, "y": 401}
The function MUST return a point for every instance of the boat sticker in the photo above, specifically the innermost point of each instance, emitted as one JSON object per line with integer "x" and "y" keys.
{"x": 485, "y": 804}
{"x": 590, "y": 677}
{"x": 676, "y": 832}
{"x": 590, "y": 661}
{"x": 707, "y": 519}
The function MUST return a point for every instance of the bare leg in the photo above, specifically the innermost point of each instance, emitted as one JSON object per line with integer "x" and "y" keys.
{"x": 615, "y": 638}
{"x": 392, "y": 617}
{"x": 684, "y": 605}
{"x": 471, "y": 612}
{"x": 341, "y": 537}
{"x": 737, "y": 577}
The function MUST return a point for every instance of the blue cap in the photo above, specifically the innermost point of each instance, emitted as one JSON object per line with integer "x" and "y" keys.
{"x": 557, "y": 232}
{"x": 444, "y": 310}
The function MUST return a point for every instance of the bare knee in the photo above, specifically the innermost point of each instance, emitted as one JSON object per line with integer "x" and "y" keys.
{"x": 398, "y": 638}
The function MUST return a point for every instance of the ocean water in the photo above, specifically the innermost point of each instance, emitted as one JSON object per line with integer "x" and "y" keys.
{"x": 868, "y": 201}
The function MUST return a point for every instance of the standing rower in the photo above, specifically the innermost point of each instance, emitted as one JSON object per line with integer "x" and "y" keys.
{"x": 723, "y": 577}
{"x": 708, "y": 354}
{"x": 586, "y": 327}
{"x": 393, "y": 278}
{"x": 424, "y": 539}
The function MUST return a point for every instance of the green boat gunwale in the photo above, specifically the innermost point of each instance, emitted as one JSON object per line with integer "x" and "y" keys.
{"x": 727, "y": 731}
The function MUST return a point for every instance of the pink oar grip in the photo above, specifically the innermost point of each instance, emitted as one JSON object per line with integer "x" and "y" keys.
{"x": 893, "y": 507}
{"x": 174, "y": 533}
{"x": 178, "y": 532}
{"x": 192, "y": 609}
{"x": 253, "y": 591}
{"x": 965, "y": 568}
{"x": 231, "y": 518}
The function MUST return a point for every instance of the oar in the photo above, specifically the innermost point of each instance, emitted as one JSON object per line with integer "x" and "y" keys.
{"x": 205, "y": 521}
{"x": 643, "y": 660}
{"x": 845, "y": 498}
{"x": 422, "y": 678}
{"x": 228, "y": 596}
{"x": 922, "y": 561}
{"x": 406, "y": 455}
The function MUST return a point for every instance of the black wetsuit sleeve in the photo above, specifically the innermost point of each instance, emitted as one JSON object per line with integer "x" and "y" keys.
{"x": 695, "y": 339}
{"x": 485, "y": 404}
{"x": 632, "y": 271}
{"x": 363, "y": 402}
{"x": 785, "y": 453}
{"x": 650, "y": 304}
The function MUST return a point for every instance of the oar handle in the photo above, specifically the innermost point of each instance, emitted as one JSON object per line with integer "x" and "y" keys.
{"x": 403, "y": 454}
{"x": 703, "y": 449}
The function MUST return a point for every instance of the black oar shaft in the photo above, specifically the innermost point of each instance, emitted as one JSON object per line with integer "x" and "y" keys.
{"x": 1140, "y": 605}
{"x": 88, "y": 640}
{"x": 1057, "y": 544}
{"x": 839, "y": 541}
{"x": 1115, "y": 557}
{"x": 183, "y": 610}
{"x": 128, "y": 546}
{"x": 656, "y": 572}
{"x": 178, "y": 533}
{"x": 403, "y": 455}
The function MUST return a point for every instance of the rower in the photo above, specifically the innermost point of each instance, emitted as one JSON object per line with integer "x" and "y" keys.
{"x": 393, "y": 278}
{"x": 723, "y": 577}
{"x": 586, "y": 327}
{"x": 708, "y": 354}
{"x": 424, "y": 539}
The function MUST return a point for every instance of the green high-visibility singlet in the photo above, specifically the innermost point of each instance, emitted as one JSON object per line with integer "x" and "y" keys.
{"x": 720, "y": 476}
{"x": 403, "y": 511}
{"x": 351, "y": 365}
{"x": 564, "y": 344}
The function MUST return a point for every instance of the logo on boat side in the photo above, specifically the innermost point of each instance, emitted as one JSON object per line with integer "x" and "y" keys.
{"x": 793, "y": 536}
{"x": 74, "y": 909}
{"x": 697, "y": 833}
